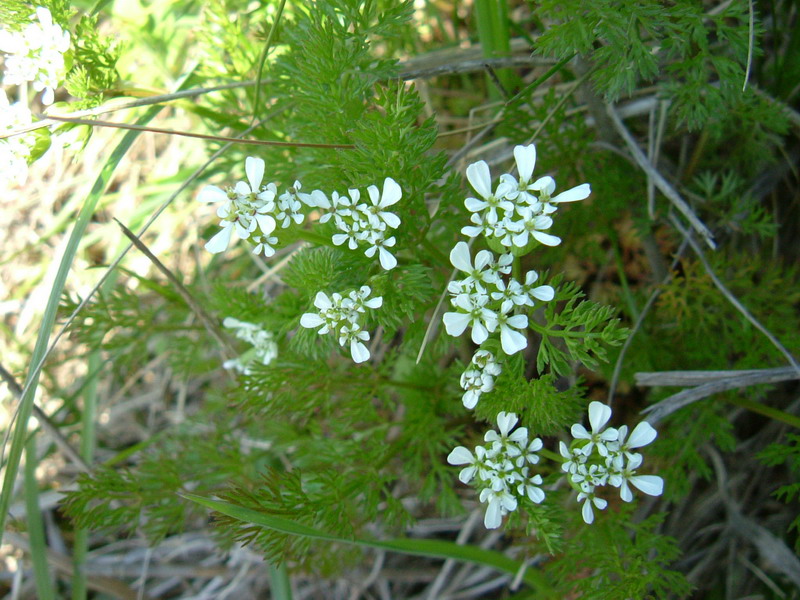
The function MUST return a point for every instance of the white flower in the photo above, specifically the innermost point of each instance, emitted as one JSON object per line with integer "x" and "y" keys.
{"x": 475, "y": 382}
{"x": 542, "y": 292}
{"x": 652, "y": 485}
{"x": 530, "y": 487}
{"x": 391, "y": 195}
{"x": 599, "y": 414}
{"x": 265, "y": 245}
{"x": 461, "y": 456}
{"x": 512, "y": 341}
{"x": 500, "y": 504}
{"x": 481, "y": 180}
{"x": 529, "y": 455}
{"x": 355, "y": 336}
{"x": 14, "y": 151}
{"x": 460, "y": 258}
{"x": 546, "y": 186}
{"x": 36, "y": 54}
{"x": 511, "y": 295}
{"x": 641, "y": 436}
{"x": 343, "y": 314}
{"x": 509, "y": 442}
{"x": 379, "y": 244}
{"x": 264, "y": 349}
{"x": 474, "y": 314}
{"x": 587, "y": 496}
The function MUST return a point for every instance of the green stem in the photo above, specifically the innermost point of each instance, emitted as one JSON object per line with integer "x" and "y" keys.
{"x": 555, "y": 457}
{"x": 772, "y": 413}
{"x": 563, "y": 333}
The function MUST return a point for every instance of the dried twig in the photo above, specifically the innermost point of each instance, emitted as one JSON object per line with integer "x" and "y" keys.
{"x": 659, "y": 181}
{"x": 715, "y": 382}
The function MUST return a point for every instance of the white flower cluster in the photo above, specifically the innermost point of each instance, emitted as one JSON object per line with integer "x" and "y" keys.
{"x": 341, "y": 314}
{"x": 485, "y": 301}
{"x": 253, "y": 210}
{"x": 35, "y": 54}
{"x": 14, "y": 151}
{"x": 502, "y": 469}
{"x": 518, "y": 211}
{"x": 264, "y": 349}
{"x": 605, "y": 457}
{"x": 479, "y": 377}
{"x": 363, "y": 223}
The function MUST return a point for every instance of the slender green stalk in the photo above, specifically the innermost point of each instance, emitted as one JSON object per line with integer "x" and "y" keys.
{"x": 263, "y": 59}
{"x": 418, "y": 547}
{"x": 767, "y": 411}
{"x": 41, "y": 570}
{"x": 280, "y": 586}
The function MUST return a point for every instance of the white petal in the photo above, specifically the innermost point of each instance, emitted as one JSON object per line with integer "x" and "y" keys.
{"x": 505, "y": 422}
{"x": 480, "y": 179}
{"x": 586, "y": 511}
{"x": 49, "y": 96}
{"x": 391, "y": 192}
{"x": 254, "y": 167}
{"x": 543, "y": 292}
{"x": 358, "y": 351}
{"x": 391, "y": 219}
{"x": 535, "y": 494}
{"x": 266, "y": 223}
{"x": 212, "y": 193}
{"x": 388, "y": 261}
{"x": 577, "y": 193}
{"x": 546, "y": 238}
{"x": 474, "y": 205}
{"x": 466, "y": 475}
{"x": 526, "y": 160}
{"x": 642, "y": 435}
{"x": 625, "y": 492}
{"x": 518, "y": 321}
{"x": 545, "y": 184}
{"x": 311, "y": 320}
{"x": 493, "y": 519}
{"x": 322, "y": 301}
{"x": 599, "y": 414}
{"x": 479, "y": 333}
{"x": 460, "y": 258}
{"x": 512, "y": 341}
{"x": 242, "y": 188}
{"x": 579, "y": 432}
{"x": 455, "y": 323}
{"x": 219, "y": 243}
{"x": 460, "y": 456}
{"x": 652, "y": 485}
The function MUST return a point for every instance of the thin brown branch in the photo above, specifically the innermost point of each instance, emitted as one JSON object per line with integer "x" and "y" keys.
{"x": 201, "y": 136}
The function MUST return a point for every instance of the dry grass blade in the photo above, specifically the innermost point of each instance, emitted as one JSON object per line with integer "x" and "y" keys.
{"x": 209, "y": 323}
{"x": 658, "y": 179}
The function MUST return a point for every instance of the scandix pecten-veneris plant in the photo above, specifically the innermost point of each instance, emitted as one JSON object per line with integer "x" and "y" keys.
{"x": 355, "y": 288}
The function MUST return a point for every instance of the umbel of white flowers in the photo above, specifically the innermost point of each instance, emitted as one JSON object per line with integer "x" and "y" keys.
{"x": 501, "y": 470}
{"x": 14, "y": 151}
{"x": 264, "y": 349}
{"x": 35, "y": 54}
{"x": 341, "y": 315}
{"x": 518, "y": 210}
{"x": 254, "y": 211}
{"x": 486, "y": 302}
{"x": 603, "y": 457}
{"x": 594, "y": 459}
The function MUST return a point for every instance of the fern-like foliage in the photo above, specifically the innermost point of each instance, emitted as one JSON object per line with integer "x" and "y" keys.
{"x": 581, "y": 331}
{"x": 786, "y": 453}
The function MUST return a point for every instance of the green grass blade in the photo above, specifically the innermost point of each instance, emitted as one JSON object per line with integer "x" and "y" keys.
{"x": 280, "y": 586}
{"x": 48, "y": 319}
{"x": 419, "y": 547}
{"x": 41, "y": 570}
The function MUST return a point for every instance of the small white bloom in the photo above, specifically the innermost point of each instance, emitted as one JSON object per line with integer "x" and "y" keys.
{"x": 599, "y": 414}
{"x": 500, "y": 503}
{"x": 587, "y": 496}
{"x": 511, "y": 340}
